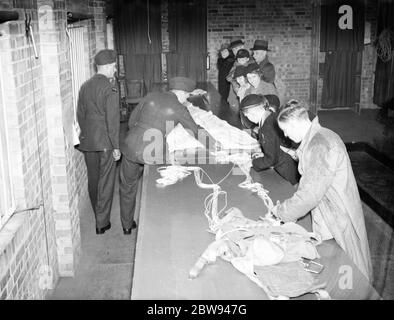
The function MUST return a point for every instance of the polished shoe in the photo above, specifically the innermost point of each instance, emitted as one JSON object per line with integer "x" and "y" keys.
{"x": 128, "y": 231}
{"x": 102, "y": 230}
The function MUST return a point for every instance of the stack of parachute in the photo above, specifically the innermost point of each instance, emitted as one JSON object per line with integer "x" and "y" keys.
{"x": 270, "y": 254}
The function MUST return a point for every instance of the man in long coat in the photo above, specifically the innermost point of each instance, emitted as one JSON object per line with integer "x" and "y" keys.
{"x": 145, "y": 142}
{"x": 327, "y": 187}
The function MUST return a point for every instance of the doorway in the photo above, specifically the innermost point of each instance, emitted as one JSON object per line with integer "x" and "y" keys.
{"x": 343, "y": 48}
{"x": 187, "y": 26}
{"x": 137, "y": 31}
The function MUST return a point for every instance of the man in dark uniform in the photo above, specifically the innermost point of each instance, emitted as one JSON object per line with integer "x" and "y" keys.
{"x": 224, "y": 64}
{"x": 260, "y": 49}
{"x": 148, "y": 126}
{"x": 98, "y": 118}
{"x": 261, "y": 110}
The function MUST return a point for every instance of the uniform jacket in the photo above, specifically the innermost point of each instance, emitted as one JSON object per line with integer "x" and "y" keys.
{"x": 268, "y": 70}
{"x": 98, "y": 115}
{"x": 328, "y": 188}
{"x": 159, "y": 111}
{"x": 270, "y": 138}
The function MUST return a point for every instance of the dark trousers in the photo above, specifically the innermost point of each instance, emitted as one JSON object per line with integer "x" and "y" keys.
{"x": 101, "y": 168}
{"x": 130, "y": 173}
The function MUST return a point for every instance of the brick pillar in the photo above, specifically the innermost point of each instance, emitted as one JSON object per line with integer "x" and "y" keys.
{"x": 29, "y": 240}
{"x": 59, "y": 115}
{"x": 97, "y": 8}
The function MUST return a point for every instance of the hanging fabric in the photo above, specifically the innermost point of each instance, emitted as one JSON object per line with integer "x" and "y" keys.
{"x": 187, "y": 22}
{"x": 137, "y": 29}
{"x": 332, "y": 37}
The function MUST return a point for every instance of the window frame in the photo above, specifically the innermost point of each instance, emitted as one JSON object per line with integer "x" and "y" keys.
{"x": 5, "y": 167}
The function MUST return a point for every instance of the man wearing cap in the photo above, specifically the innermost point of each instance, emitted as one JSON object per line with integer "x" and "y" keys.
{"x": 98, "y": 118}
{"x": 261, "y": 110}
{"x": 260, "y": 49}
{"x": 148, "y": 125}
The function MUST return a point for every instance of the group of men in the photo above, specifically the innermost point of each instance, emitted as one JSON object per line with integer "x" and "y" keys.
{"x": 99, "y": 121}
{"x": 319, "y": 164}
{"x": 235, "y": 61}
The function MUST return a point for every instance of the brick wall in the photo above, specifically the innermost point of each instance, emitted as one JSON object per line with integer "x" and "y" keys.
{"x": 96, "y": 7}
{"x": 285, "y": 24}
{"x": 38, "y": 101}
{"x": 60, "y": 115}
{"x": 27, "y": 241}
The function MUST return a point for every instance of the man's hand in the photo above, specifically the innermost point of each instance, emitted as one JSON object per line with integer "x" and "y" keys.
{"x": 116, "y": 154}
{"x": 274, "y": 210}
{"x": 197, "y": 92}
{"x": 257, "y": 155}
{"x": 291, "y": 152}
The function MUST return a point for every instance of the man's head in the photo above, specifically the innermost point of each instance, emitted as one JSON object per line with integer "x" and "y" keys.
{"x": 242, "y": 56}
{"x": 236, "y": 45}
{"x": 105, "y": 61}
{"x": 259, "y": 55}
{"x": 260, "y": 49}
{"x": 293, "y": 119}
{"x": 255, "y": 107}
{"x": 182, "y": 87}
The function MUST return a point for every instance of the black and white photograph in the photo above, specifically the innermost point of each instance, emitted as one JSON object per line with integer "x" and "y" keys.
{"x": 196, "y": 156}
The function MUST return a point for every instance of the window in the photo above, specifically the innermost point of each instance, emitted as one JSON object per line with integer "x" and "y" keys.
{"x": 7, "y": 203}
{"x": 78, "y": 59}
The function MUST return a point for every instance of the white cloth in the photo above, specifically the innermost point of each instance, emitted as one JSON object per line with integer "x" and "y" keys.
{"x": 180, "y": 139}
{"x": 227, "y": 136}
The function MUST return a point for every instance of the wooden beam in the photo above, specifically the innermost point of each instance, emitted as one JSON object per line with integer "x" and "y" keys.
{"x": 315, "y": 49}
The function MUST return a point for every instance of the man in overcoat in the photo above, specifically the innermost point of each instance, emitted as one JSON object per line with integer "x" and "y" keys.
{"x": 145, "y": 142}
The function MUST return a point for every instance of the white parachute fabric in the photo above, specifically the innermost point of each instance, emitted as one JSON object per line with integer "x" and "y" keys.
{"x": 229, "y": 137}
{"x": 180, "y": 139}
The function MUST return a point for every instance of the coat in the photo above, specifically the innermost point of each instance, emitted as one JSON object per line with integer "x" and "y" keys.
{"x": 149, "y": 123}
{"x": 268, "y": 70}
{"x": 271, "y": 138}
{"x": 98, "y": 115}
{"x": 328, "y": 188}
{"x": 224, "y": 66}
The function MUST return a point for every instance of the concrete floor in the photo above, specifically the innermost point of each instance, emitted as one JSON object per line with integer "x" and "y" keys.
{"x": 105, "y": 269}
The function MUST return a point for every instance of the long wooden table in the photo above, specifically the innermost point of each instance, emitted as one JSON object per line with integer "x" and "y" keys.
{"x": 172, "y": 235}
